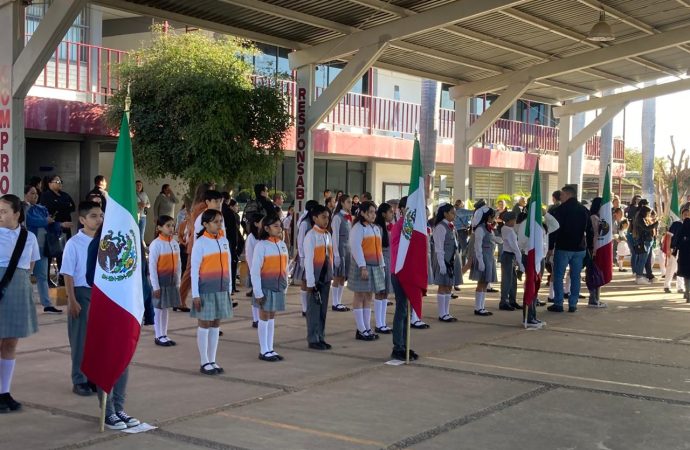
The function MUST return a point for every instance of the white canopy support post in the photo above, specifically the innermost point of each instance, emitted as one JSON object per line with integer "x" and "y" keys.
{"x": 461, "y": 162}
{"x": 304, "y": 146}
{"x": 594, "y": 126}
{"x": 342, "y": 83}
{"x": 51, "y": 30}
{"x": 496, "y": 110}
{"x": 399, "y": 29}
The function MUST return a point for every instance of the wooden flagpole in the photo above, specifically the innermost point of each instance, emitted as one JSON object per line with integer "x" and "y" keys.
{"x": 102, "y": 419}
{"x": 407, "y": 341}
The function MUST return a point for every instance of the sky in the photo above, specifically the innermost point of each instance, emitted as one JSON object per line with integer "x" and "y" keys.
{"x": 672, "y": 119}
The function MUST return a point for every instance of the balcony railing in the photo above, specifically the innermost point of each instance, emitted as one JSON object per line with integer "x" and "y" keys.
{"x": 90, "y": 71}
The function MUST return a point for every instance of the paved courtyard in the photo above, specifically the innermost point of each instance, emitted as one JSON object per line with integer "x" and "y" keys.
{"x": 617, "y": 378}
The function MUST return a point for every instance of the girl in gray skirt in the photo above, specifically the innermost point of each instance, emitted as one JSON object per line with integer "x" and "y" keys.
{"x": 443, "y": 259}
{"x": 367, "y": 268}
{"x": 341, "y": 224}
{"x": 165, "y": 269}
{"x": 17, "y": 311}
{"x": 269, "y": 281}
{"x": 384, "y": 220}
{"x": 484, "y": 265}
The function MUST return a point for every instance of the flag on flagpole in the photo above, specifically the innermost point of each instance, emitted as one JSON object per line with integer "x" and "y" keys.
{"x": 603, "y": 237}
{"x": 409, "y": 238}
{"x": 117, "y": 300}
{"x": 534, "y": 232}
{"x": 675, "y": 207}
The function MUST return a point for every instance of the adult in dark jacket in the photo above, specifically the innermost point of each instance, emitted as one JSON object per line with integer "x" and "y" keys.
{"x": 682, "y": 245}
{"x": 232, "y": 232}
{"x": 568, "y": 245}
{"x": 60, "y": 205}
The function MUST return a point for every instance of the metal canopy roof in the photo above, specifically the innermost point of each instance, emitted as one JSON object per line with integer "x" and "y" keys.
{"x": 516, "y": 37}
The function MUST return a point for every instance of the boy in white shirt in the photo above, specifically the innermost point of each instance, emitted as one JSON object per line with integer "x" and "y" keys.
{"x": 510, "y": 258}
{"x": 73, "y": 270}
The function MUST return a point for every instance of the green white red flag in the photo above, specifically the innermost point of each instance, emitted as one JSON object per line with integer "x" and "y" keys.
{"x": 534, "y": 232}
{"x": 603, "y": 237}
{"x": 409, "y": 238}
{"x": 675, "y": 207}
{"x": 117, "y": 299}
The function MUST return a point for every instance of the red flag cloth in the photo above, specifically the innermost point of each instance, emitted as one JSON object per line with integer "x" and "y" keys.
{"x": 412, "y": 277}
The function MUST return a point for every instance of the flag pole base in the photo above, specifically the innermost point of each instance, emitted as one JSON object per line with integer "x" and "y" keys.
{"x": 407, "y": 343}
{"x": 101, "y": 425}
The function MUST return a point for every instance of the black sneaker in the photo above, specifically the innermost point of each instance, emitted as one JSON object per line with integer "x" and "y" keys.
{"x": 113, "y": 422}
{"x": 9, "y": 403}
{"x": 52, "y": 310}
{"x": 572, "y": 309}
{"x": 517, "y": 305}
{"x": 82, "y": 389}
{"x": 555, "y": 308}
{"x": 316, "y": 346}
{"x": 127, "y": 419}
{"x": 326, "y": 345}
{"x": 505, "y": 307}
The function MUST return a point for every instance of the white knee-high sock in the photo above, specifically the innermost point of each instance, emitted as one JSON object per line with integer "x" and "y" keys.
{"x": 552, "y": 294}
{"x": 303, "y": 296}
{"x": 157, "y": 322}
{"x": 337, "y": 295}
{"x": 270, "y": 333}
{"x": 366, "y": 317}
{"x": 213, "y": 335}
{"x": 6, "y": 373}
{"x": 482, "y": 297}
{"x": 380, "y": 312}
{"x": 263, "y": 336}
{"x": 202, "y": 343}
{"x": 478, "y": 301}
{"x": 441, "y": 304}
{"x": 165, "y": 314}
{"x": 384, "y": 311}
{"x": 359, "y": 319}
{"x": 413, "y": 316}
{"x": 680, "y": 283}
{"x": 255, "y": 313}
{"x": 446, "y": 304}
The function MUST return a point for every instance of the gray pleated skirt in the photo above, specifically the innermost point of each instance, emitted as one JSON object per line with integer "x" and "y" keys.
{"x": 376, "y": 282}
{"x": 275, "y": 301}
{"x": 343, "y": 270}
{"x": 17, "y": 311}
{"x": 387, "y": 269}
{"x": 214, "y": 306}
{"x": 170, "y": 298}
{"x": 489, "y": 273}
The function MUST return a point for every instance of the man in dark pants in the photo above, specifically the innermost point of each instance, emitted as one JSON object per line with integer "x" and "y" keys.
{"x": 400, "y": 323}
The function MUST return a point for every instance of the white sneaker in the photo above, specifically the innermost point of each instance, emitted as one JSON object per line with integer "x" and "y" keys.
{"x": 113, "y": 422}
{"x": 535, "y": 325}
{"x": 643, "y": 280}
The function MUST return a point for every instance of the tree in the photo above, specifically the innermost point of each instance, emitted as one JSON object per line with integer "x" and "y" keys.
{"x": 195, "y": 114}
{"x": 676, "y": 166}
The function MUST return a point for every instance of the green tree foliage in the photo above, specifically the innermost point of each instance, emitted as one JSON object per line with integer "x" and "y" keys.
{"x": 195, "y": 114}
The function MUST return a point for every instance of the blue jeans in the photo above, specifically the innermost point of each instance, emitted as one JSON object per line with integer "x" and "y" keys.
{"x": 561, "y": 260}
{"x": 142, "y": 226}
{"x": 631, "y": 245}
{"x": 641, "y": 259}
{"x": 116, "y": 400}
{"x": 41, "y": 274}
{"x": 400, "y": 316}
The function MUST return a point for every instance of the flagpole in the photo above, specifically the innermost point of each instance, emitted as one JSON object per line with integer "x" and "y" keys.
{"x": 101, "y": 427}
{"x": 407, "y": 343}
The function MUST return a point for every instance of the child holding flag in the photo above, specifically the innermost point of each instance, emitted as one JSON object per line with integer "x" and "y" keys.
{"x": 211, "y": 274}
{"x": 269, "y": 281}
{"x": 165, "y": 269}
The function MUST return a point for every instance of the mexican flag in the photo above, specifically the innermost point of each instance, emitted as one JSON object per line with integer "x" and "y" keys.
{"x": 603, "y": 237}
{"x": 675, "y": 208}
{"x": 117, "y": 298}
{"x": 409, "y": 239}
{"x": 534, "y": 232}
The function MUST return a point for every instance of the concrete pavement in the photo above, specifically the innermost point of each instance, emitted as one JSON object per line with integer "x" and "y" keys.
{"x": 615, "y": 378}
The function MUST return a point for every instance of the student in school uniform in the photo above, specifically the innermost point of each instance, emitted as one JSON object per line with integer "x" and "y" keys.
{"x": 303, "y": 226}
{"x": 269, "y": 282}
{"x": 341, "y": 224}
{"x": 17, "y": 312}
{"x": 511, "y": 258}
{"x": 318, "y": 261}
{"x": 443, "y": 259}
{"x": 73, "y": 269}
{"x": 384, "y": 219}
{"x": 165, "y": 269}
{"x": 367, "y": 268}
{"x": 211, "y": 270}
{"x": 484, "y": 265}
{"x": 254, "y": 227}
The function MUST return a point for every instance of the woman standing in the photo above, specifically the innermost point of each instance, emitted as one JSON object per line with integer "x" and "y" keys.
{"x": 642, "y": 235}
{"x": 484, "y": 265}
{"x": 144, "y": 204}
{"x": 164, "y": 205}
{"x": 39, "y": 222}
{"x": 17, "y": 312}
{"x": 366, "y": 268}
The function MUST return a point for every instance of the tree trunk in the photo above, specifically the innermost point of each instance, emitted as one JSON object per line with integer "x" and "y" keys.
{"x": 648, "y": 144}
{"x": 428, "y": 130}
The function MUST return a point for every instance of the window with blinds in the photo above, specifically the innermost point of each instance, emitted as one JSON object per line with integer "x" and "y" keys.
{"x": 488, "y": 185}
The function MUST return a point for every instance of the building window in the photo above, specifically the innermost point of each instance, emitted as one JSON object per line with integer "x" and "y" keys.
{"x": 446, "y": 101}
{"x": 395, "y": 190}
{"x": 78, "y": 33}
{"x": 522, "y": 183}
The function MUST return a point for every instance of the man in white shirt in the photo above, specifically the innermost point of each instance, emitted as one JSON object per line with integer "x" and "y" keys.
{"x": 73, "y": 269}
{"x": 510, "y": 258}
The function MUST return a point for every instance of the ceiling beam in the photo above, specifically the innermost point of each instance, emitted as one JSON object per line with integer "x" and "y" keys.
{"x": 205, "y": 24}
{"x": 631, "y": 96}
{"x": 580, "y": 61}
{"x": 399, "y": 29}
{"x": 578, "y": 37}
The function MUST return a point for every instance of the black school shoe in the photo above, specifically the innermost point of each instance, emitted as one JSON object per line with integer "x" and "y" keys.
{"x": 210, "y": 371}
{"x": 8, "y": 404}
{"x": 82, "y": 389}
{"x": 157, "y": 341}
{"x": 268, "y": 357}
{"x": 400, "y": 355}
{"x": 364, "y": 337}
{"x": 316, "y": 346}
{"x": 181, "y": 309}
{"x": 326, "y": 345}
{"x": 506, "y": 307}
{"x": 516, "y": 305}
